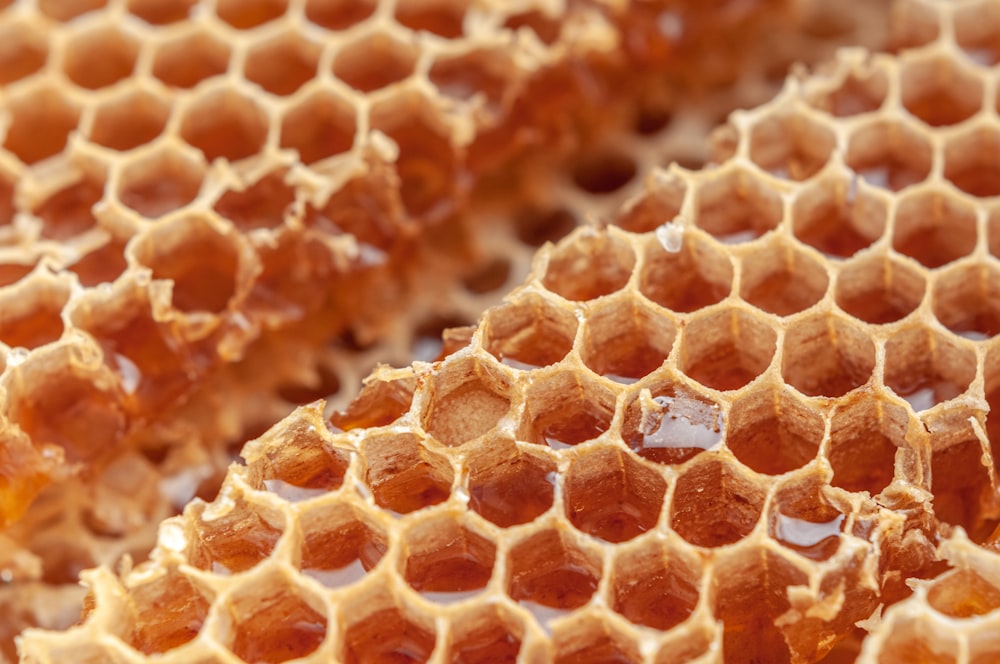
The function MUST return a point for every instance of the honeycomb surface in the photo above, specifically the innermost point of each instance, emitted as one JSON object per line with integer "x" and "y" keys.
{"x": 754, "y": 419}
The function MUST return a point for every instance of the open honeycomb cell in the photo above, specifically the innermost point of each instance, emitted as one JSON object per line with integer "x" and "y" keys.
{"x": 374, "y": 62}
{"x": 188, "y": 59}
{"x": 934, "y": 229}
{"x": 889, "y": 154}
{"x": 131, "y": 120}
{"x": 321, "y": 125}
{"x": 879, "y": 289}
{"x": 100, "y": 57}
{"x": 25, "y": 51}
{"x": 975, "y": 173}
{"x": 793, "y": 146}
{"x": 550, "y": 420}
{"x": 225, "y": 123}
{"x": 726, "y": 349}
{"x": 773, "y": 432}
{"x": 647, "y": 337}
{"x": 160, "y": 182}
{"x": 41, "y": 121}
{"x": 737, "y": 207}
{"x": 839, "y": 217}
{"x": 782, "y": 279}
{"x": 338, "y": 14}
{"x": 827, "y": 355}
{"x": 697, "y": 276}
{"x": 281, "y": 65}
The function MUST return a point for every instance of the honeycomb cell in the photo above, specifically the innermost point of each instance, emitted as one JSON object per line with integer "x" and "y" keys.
{"x": 247, "y": 14}
{"x": 611, "y": 496}
{"x": 282, "y": 64}
{"x": 201, "y": 262}
{"x": 603, "y": 172}
{"x": 962, "y": 487}
{"x": 879, "y": 289}
{"x": 653, "y": 586}
{"x": 485, "y": 636}
{"x": 263, "y": 204}
{"x": 889, "y": 154}
{"x": 802, "y": 519}
{"x": 170, "y": 612}
{"x": 977, "y": 33}
{"x": 590, "y": 267}
{"x": 235, "y": 541}
{"x": 441, "y": 17}
{"x": 927, "y": 368}
{"x": 715, "y": 503}
{"x": 862, "y": 90}
{"x": 864, "y": 436}
{"x": 319, "y": 126}
{"x": 726, "y": 349}
{"x": 737, "y": 206}
{"x": 404, "y": 475}
{"x": 772, "y": 431}
{"x": 445, "y": 556}
{"x": 662, "y": 202}
{"x": 374, "y": 62}
{"x": 536, "y": 226}
{"x": 67, "y": 10}
{"x": 827, "y": 355}
{"x": 68, "y": 212}
{"x": 593, "y": 640}
{"x": 670, "y": 424}
{"x": 625, "y": 339}
{"x": 339, "y": 544}
{"x": 190, "y": 59}
{"x": 481, "y": 73}
{"x": 782, "y": 279}
{"x": 129, "y": 120}
{"x": 508, "y": 486}
{"x": 338, "y": 14}
{"x": 838, "y": 217}
{"x": 792, "y": 145}
{"x": 100, "y": 57}
{"x": 918, "y": 24}
{"x": 698, "y": 275}
{"x": 970, "y": 161}
{"x": 528, "y": 332}
{"x": 160, "y": 182}
{"x": 31, "y": 312}
{"x": 913, "y": 640}
{"x": 566, "y": 409}
{"x": 24, "y": 52}
{"x": 963, "y": 593}
{"x": 160, "y": 12}
{"x": 934, "y": 228}
{"x": 550, "y": 569}
{"x": 305, "y": 465}
{"x": 102, "y": 265}
{"x": 225, "y": 124}
{"x": 966, "y": 300}
{"x": 470, "y": 398}
{"x": 939, "y": 91}
{"x": 40, "y": 123}
{"x": 385, "y": 634}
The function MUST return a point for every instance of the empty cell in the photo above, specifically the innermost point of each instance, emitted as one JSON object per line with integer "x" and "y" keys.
{"x": 791, "y": 145}
{"x": 963, "y": 593}
{"x": 189, "y": 59}
{"x": 282, "y": 64}
{"x": 939, "y": 91}
{"x": 589, "y": 267}
{"x": 912, "y": 639}
{"x": 99, "y": 57}
{"x": 698, "y": 275}
{"x": 727, "y": 348}
{"x": 441, "y": 17}
{"x": 566, "y": 409}
{"x": 508, "y": 486}
{"x": 225, "y": 124}
{"x": 715, "y": 503}
{"x": 966, "y": 300}
{"x": 319, "y": 126}
{"x": 934, "y": 228}
{"x": 889, "y": 154}
{"x": 160, "y": 12}
{"x": 862, "y": 90}
{"x": 339, "y": 543}
{"x": 40, "y": 123}
{"x": 803, "y": 520}
{"x": 603, "y": 172}
{"x": 160, "y": 182}
{"x": 385, "y": 633}
{"x": 827, "y": 355}
{"x": 235, "y": 541}
{"x": 322, "y": 383}
{"x": 469, "y": 398}
{"x": 129, "y": 120}
{"x": 102, "y": 264}
{"x": 593, "y": 640}
{"x": 612, "y": 496}
{"x": 782, "y": 279}
{"x": 971, "y": 161}
{"x": 535, "y": 226}
{"x": 169, "y": 612}
{"x": 31, "y": 311}
{"x": 625, "y": 339}
{"x": 303, "y": 465}
{"x": 864, "y": 436}
{"x": 879, "y": 288}
{"x": 914, "y": 26}
{"x": 67, "y": 10}
{"x": 490, "y": 278}
{"x": 24, "y": 50}
{"x": 927, "y": 368}
{"x": 69, "y": 211}
{"x": 374, "y": 62}
{"x": 445, "y": 556}
{"x": 772, "y": 431}
{"x": 962, "y": 487}
{"x": 481, "y": 72}
{"x": 654, "y": 586}
{"x": 380, "y": 402}
{"x": 404, "y": 475}
{"x": 247, "y": 14}
{"x": 550, "y": 569}
{"x": 670, "y": 424}
{"x": 368, "y": 211}
{"x": 838, "y": 217}
{"x": 263, "y": 204}
{"x": 338, "y": 14}
{"x": 737, "y": 206}
{"x": 486, "y": 635}
{"x": 661, "y": 204}
{"x": 977, "y": 32}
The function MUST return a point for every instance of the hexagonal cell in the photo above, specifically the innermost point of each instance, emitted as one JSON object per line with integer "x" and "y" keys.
{"x": 551, "y": 570}
{"x": 593, "y": 640}
{"x": 773, "y": 432}
{"x": 385, "y": 633}
{"x": 914, "y": 638}
{"x": 25, "y": 51}
{"x": 484, "y": 72}
{"x": 40, "y": 123}
{"x": 938, "y": 91}
{"x": 528, "y": 332}
{"x": 803, "y": 520}
{"x": 68, "y": 212}
{"x": 698, "y": 275}
{"x": 625, "y": 339}
{"x": 791, "y": 145}
{"x": 339, "y": 543}
{"x": 509, "y": 486}
{"x": 486, "y": 635}
{"x": 963, "y": 593}
{"x": 441, "y": 17}
{"x": 235, "y": 541}
{"x": 160, "y": 182}
{"x": 100, "y": 57}
{"x": 661, "y": 204}
{"x": 261, "y": 205}
{"x": 274, "y": 620}
{"x": 879, "y": 289}
{"x": 319, "y": 126}
{"x": 934, "y": 227}
{"x": 373, "y": 62}
{"x": 589, "y": 266}
{"x": 603, "y": 172}
{"x": 225, "y": 124}
{"x": 170, "y": 611}
{"x": 246, "y": 14}
{"x": 445, "y": 556}
{"x": 469, "y": 398}
{"x": 201, "y": 262}
{"x": 977, "y": 32}
{"x": 103, "y": 264}
{"x": 67, "y": 10}
{"x": 838, "y": 217}
{"x": 782, "y": 279}
{"x": 404, "y": 475}
{"x": 827, "y": 355}
{"x": 301, "y": 464}
{"x": 927, "y": 368}
{"x": 31, "y": 311}
{"x": 670, "y": 424}
{"x": 864, "y": 436}
{"x": 861, "y": 90}
{"x": 535, "y": 226}
{"x": 971, "y": 164}
{"x": 282, "y": 64}
{"x": 726, "y": 348}
{"x": 129, "y": 120}
{"x": 966, "y": 299}
{"x": 889, "y": 154}
{"x": 338, "y": 14}
{"x": 612, "y": 496}
{"x": 715, "y": 503}
{"x": 189, "y": 59}
{"x": 566, "y": 409}
{"x": 737, "y": 206}
{"x": 962, "y": 487}
{"x": 160, "y": 12}
{"x": 654, "y": 586}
